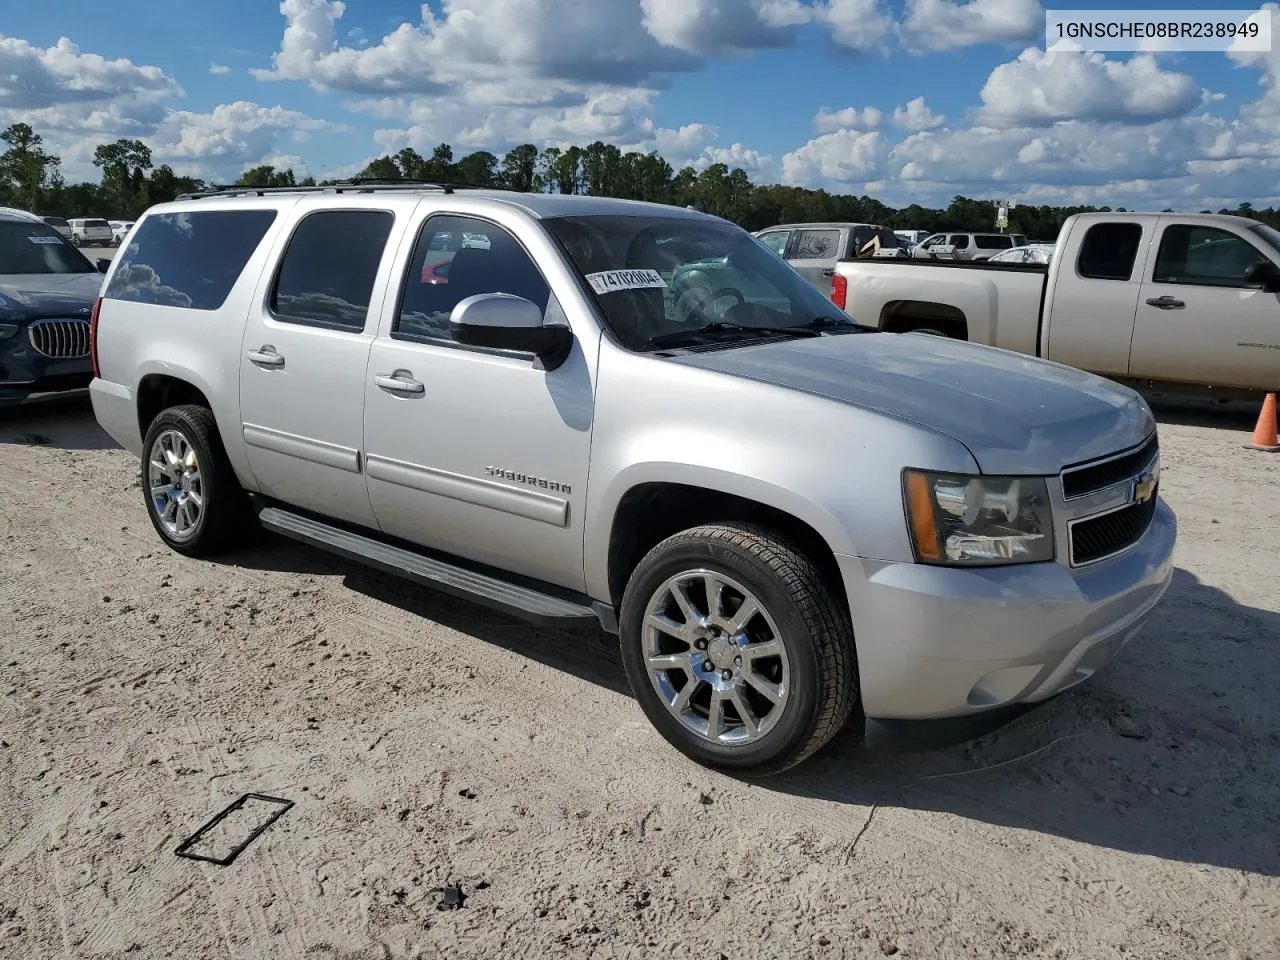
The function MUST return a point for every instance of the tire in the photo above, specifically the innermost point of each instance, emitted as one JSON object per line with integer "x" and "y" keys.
{"x": 817, "y": 676}
{"x": 223, "y": 519}
{"x": 931, "y": 331}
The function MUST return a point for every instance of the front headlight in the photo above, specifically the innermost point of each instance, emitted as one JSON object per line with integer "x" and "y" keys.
{"x": 975, "y": 521}
{"x": 8, "y": 330}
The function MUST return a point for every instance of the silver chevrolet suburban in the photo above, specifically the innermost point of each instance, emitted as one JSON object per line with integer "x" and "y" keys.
{"x": 597, "y": 411}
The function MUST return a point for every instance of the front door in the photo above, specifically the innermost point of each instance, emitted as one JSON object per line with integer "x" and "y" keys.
{"x": 303, "y": 360}
{"x": 476, "y": 452}
{"x": 813, "y": 254}
{"x": 1198, "y": 321}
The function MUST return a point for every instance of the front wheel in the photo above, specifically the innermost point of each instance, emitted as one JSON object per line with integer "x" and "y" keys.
{"x": 192, "y": 494}
{"x": 737, "y": 649}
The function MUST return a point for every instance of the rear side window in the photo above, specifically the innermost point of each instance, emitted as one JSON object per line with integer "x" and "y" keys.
{"x": 326, "y": 277}
{"x": 816, "y": 245}
{"x": 189, "y": 259}
{"x": 992, "y": 242}
{"x": 1109, "y": 251}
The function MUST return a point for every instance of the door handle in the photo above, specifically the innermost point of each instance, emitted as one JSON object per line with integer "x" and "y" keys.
{"x": 266, "y": 356}
{"x": 1165, "y": 303}
{"x": 400, "y": 381}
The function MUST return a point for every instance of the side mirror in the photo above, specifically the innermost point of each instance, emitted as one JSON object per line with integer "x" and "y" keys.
{"x": 1265, "y": 276}
{"x": 103, "y": 264}
{"x": 505, "y": 322}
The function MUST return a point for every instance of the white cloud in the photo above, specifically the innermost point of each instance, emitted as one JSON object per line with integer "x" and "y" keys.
{"x": 723, "y": 27}
{"x": 858, "y": 25}
{"x": 35, "y": 78}
{"x": 845, "y": 156}
{"x": 1044, "y": 88}
{"x": 850, "y": 118}
{"x": 935, "y": 25}
{"x": 915, "y": 116}
{"x": 218, "y": 70}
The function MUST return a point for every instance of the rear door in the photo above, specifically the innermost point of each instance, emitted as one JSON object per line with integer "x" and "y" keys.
{"x": 1093, "y": 296}
{"x": 813, "y": 254}
{"x": 304, "y": 356}
{"x": 1198, "y": 321}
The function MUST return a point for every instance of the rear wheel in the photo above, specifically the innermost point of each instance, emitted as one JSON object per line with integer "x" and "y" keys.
{"x": 192, "y": 495}
{"x": 737, "y": 650}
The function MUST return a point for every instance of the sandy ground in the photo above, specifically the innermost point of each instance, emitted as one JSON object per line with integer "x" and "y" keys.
{"x": 427, "y": 741}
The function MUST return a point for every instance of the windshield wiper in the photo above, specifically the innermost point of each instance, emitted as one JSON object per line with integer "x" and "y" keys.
{"x": 834, "y": 323}
{"x": 689, "y": 337}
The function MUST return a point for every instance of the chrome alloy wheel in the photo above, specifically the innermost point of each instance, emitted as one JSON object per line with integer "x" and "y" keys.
{"x": 173, "y": 478}
{"x": 716, "y": 658}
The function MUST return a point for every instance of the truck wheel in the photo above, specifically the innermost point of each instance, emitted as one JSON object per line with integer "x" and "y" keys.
{"x": 737, "y": 649}
{"x": 193, "y": 497}
{"x": 931, "y": 331}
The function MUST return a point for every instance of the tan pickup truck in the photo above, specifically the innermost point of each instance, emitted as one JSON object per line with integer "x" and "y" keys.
{"x": 1184, "y": 303}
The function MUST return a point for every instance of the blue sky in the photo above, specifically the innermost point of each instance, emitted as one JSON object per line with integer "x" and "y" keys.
{"x": 908, "y": 100}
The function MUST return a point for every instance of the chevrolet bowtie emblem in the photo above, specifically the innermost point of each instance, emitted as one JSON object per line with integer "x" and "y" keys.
{"x": 1144, "y": 487}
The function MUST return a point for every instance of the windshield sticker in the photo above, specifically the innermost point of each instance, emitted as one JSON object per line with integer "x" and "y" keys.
{"x": 44, "y": 240}
{"x": 611, "y": 281}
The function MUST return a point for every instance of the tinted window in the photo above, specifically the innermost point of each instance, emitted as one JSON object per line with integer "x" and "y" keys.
{"x": 1204, "y": 255}
{"x": 816, "y": 245}
{"x": 1109, "y": 250}
{"x": 485, "y": 259}
{"x": 326, "y": 277}
{"x": 30, "y": 247}
{"x": 775, "y": 241}
{"x": 868, "y": 239}
{"x": 189, "y": 259}
{"x": 992, "y": 242}
{"x": 658, "y": 276}
{"x": 55, "y": 221}
{"x": 97, "y": 223}
{"x": 960, "y": 241}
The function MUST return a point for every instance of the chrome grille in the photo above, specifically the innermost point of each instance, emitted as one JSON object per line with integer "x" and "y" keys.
{"x": 1084, "y": 480}
{"x": 60, "y": 339}
{"x": 1113, "y": 501}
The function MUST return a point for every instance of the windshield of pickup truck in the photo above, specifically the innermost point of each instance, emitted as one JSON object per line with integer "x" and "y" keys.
{"x": 27, "y": 247}
{"x": 663, "y": 281}
{"x": 1269, "y": 234}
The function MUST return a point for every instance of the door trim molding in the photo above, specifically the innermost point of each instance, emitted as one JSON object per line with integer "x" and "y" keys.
{"x": 303, "y": 448}
{"x": 482, "y": 493}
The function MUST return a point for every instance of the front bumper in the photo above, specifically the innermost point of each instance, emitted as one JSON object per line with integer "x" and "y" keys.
{"x": 28, "y": 377}
{"x": 942, "y": 642}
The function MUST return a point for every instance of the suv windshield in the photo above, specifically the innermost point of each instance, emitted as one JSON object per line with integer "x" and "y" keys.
{"x": 29, "y": 247}
{"x": 656, "y": 278}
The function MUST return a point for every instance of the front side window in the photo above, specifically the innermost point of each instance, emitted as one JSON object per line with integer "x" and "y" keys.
{"x": 36, "y": 248}
{"x": 1204, "y": 256}
{"x": 960, "y": 241}
{"x": 326, "y": 277}
{"x": 776, "y": 240}
{"x": 189, "y": 259}
{"x": 657, "y": 277}
{"x": 479, "y": 257}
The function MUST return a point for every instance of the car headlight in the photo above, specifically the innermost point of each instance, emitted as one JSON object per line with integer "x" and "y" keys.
{"x": 8, "y": 330}
{"x": 963, "y": 520}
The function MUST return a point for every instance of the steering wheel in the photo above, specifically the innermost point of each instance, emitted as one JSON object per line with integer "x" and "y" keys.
{"x": 696, "y": 306}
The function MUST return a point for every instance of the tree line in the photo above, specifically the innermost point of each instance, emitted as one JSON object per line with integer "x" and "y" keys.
{"x": 129, "y": 182}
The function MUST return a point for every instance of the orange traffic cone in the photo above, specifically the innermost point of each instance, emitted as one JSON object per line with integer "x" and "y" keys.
{"x": 1264, "y": 434}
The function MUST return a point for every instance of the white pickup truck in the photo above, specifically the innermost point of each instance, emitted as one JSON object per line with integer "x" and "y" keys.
{"x": 1188, "y": 303}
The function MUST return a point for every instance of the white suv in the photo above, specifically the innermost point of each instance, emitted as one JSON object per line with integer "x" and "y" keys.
{"x": 92, "y": 233}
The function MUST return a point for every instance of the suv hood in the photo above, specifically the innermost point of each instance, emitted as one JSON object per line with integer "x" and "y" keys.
{"x": 40, "y": 295}
{"x": 1016, "y": 414}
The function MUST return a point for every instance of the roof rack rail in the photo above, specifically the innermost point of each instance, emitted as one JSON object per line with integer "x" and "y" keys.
{"x": 350, "y": 185}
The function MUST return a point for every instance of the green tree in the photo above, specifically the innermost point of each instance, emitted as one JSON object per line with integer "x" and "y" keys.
{"x": 122, "y": 164}
{"x": 479, "y": 169}
{"x": 520, "y": 168}
{"x": 27, "y": 172}
{"x": 440, "y": 167}
{"x": 266, "y": 176}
